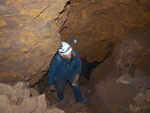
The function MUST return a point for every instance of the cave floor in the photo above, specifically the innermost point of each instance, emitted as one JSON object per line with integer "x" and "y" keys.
{"x": 107, "y": 97}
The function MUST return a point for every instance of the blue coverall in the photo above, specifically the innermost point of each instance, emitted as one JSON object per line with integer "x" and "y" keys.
{"x": 63, "y": 70}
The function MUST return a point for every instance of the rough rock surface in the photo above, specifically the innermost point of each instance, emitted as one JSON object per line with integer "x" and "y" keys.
{"x": 133, "y": 53}
{"x": 25, "y": 102}
{"x": 130, "y": 56}
{"x": 124, "y": 79}
{"x": 28, "y": 38}
{"x": 148, "y": 95}
{"x": 99, "y": 24}
{"x": 4, "y": 104}
{"x": 140, "y": 98}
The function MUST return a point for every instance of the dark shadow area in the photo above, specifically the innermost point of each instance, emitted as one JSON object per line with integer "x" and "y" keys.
{"x": 87, "y": 68}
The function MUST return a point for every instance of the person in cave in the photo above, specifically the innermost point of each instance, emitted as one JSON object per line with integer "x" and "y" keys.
{"x": 66, "y": 66}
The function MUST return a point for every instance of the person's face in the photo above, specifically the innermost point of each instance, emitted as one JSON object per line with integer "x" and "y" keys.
{"x": 68, "y": 55}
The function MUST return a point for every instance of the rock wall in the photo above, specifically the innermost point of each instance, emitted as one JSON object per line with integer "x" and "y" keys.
{"x": 99, "y": 24}
{"x": 121, "y": 82}
{"x": 133, "y": 53}
{"x": 29, "y": 38}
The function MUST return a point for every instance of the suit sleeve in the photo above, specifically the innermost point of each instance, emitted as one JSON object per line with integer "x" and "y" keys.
{"x": 52, "y": 71}
{"x": 78, "y": 63}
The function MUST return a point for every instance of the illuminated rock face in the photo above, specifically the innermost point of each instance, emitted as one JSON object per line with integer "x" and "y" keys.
{"x": 29, "y": 31}
{"x": 99, "y": 24}
{"x": 29, "y": 37}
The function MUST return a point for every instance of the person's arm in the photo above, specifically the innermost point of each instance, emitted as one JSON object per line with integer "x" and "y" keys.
{"x": 52, "y": 73}
{"x": 78, "y": 66}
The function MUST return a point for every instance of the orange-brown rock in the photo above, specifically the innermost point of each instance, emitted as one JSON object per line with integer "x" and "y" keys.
{"x": 99, "y": 24}
{"x": 29, "y": 38}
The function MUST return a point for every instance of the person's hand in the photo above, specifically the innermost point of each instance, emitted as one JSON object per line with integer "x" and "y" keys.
{"x": 77, "y": 76}
{"x": 52, "y": 88}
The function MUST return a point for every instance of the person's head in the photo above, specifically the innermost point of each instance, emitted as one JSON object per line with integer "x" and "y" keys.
{"x": 65, "y": 50}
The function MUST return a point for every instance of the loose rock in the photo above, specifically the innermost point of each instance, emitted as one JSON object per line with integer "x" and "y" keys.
{"x": 4, "y": 104}
{"x": 29, "y": 104}
{"x": 148, "y": 95}
{"x": 140, "y": 98}
{"x": 124, "y": 79}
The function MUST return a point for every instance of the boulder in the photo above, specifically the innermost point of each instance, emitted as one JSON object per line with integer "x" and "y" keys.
{"x": 29, "y": 105}
{"x": 4, "y": 104}
{"x": 33, "y": 92}
{"x": 134, "y": 108}
{"x": 124, "y": 79}
{"x": 139, "y": 73}
{"x": 29, "y": 38}
{"x": 16, "y": 93}
{"x": 17, "y": 109}
{"x": 140, "y": 79}
{"x": 140, "y": 98}
{"x": 132, "y": 53}
{"x": 41, "y": 108}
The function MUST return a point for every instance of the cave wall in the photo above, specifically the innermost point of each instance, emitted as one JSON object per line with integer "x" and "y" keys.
{"x": 121, "y": 77}
{"x": 99, "y": 24}
{"x": 133, "y": 53}
{"x": 29, "y": 31}
{"x": 29, "y": 38}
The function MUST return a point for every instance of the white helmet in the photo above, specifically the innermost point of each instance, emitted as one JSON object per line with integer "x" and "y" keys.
{"x": 65, "y": 49}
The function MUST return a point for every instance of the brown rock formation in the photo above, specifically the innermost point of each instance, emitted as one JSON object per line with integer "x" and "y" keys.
{"x": 28, "y": 103}
{"x": 133, "y": 52}
{"x": 99, "y": 24}
{"x": 28, "y": 37}
{"x": 130, "y": 54}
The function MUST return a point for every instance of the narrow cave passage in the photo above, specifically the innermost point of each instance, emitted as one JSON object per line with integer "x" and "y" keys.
{"x": 69, "y": 101}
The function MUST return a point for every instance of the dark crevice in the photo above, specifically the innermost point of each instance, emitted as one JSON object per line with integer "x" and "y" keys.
{"x": 68, "y": 3}
{"x": 41, "y": 13}
{"x": 87, "y": 68}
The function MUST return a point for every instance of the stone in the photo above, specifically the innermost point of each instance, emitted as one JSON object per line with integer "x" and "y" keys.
{"x": 4, "y": 104}
{"x": 124, "y": 79}
{"x": 54, "y": 110}
{"x": 130, "y": 54}
{"x": 27, "y": 84}
{"x": 29, "y": 105}
{"x": 140, "y": 99}
{"x": 139, "y": 73}
{"x": 17, "y": 109}
{"x": 33, "y": 92}
{"x": 137, "y": 82}
{"x": 13, "y": 99}
{"x": 141, "y": 79}
{"x": 134, "y": 108}
{"x": 148, "y": 95}
{"x": 41, "y": 108}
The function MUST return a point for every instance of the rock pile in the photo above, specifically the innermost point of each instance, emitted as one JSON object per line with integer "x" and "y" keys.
{"x": 140, "y": 80}
{"x": 20, "y": 99}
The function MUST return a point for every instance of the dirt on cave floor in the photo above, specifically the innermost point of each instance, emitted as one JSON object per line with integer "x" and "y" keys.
{"x": 102, "y": 94}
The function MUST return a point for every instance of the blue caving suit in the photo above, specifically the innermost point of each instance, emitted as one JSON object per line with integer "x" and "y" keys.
{"x": 63, "y": 70}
